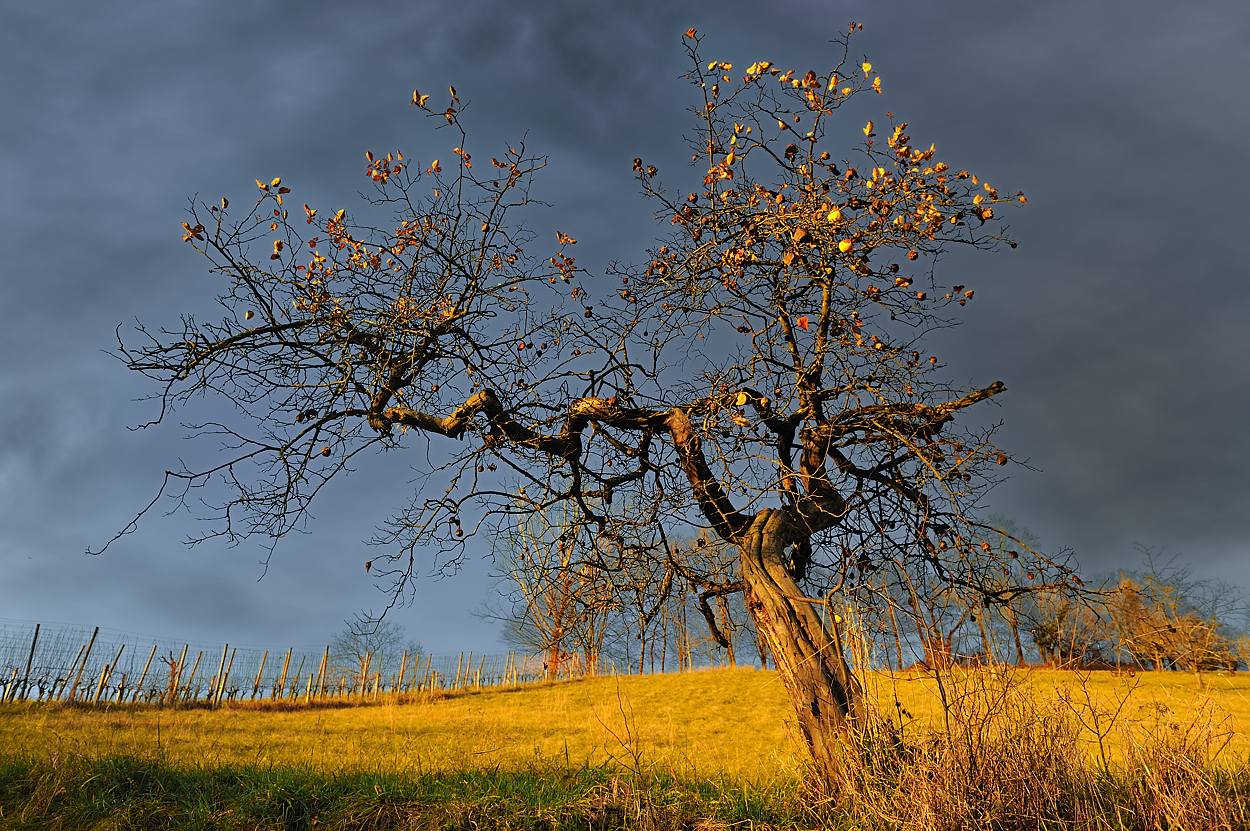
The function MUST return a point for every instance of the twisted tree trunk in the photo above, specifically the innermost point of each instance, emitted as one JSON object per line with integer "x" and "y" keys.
{"x": 827, "y": 698}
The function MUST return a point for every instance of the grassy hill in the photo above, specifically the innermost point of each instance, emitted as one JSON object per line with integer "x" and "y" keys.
{"x": 650, "y": 751}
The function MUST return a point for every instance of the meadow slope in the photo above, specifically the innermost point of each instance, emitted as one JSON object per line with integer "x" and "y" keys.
{"x": 734, "y": 724}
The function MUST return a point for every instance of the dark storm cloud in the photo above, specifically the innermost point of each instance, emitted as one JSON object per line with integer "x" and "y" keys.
{"x": 1118, "y": 324}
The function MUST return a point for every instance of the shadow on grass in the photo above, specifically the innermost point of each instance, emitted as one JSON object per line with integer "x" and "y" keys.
{"x": 125, "y": 792}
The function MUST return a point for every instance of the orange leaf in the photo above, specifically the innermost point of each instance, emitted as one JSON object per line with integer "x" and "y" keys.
{"x": 802, "y": 324}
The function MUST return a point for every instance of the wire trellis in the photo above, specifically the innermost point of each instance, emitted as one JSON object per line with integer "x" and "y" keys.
{"x": 56, "y": 662}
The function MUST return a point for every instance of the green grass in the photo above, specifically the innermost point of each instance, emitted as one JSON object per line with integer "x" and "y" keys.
{"x": 711, "y": 749}
{"x": 135, "y": 793}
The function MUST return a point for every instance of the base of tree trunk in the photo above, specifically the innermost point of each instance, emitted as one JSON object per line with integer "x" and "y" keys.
{"x": 827, "y": 698}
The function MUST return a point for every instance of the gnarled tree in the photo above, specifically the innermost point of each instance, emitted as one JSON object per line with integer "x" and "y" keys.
{"x": 762, "y": 372}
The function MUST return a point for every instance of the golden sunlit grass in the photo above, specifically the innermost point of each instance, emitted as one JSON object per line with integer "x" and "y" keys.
{"x": 732, "y": 724}
{"x": 1117, "y": 707}
{"x": 728, "y": 723}
{"x": 983, "y": 749}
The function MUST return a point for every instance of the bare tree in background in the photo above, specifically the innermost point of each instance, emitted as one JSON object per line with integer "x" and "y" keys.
{"x": 1163, "y": 617}
{"x": 763, "y": 372}
{"x": 555, "y": 600}
{"x": 367, "y": 647}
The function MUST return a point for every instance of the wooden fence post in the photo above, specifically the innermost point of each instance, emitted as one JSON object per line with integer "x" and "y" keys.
{"x": 106, "y": 675}
{"x": 175, "y": 674}
{"x": 74, "y": 689}
{"x": 65, "y": 683}
{"x": 282, "y": 684}
{"x": 256, "y": 686}
{"x": 99, "y": 687}
{"x": 299, "y": 672}
{"x": 214, "y": 692}
{"x": 194, "y": 669}
{"x": 143, "y": 677}
{"x": 321, "y": 673}
{"x": 30, "y": 660}
{"x": 229, "y": 666}
{"x": 403, "y": 666}
{"x": 224, "y": 679}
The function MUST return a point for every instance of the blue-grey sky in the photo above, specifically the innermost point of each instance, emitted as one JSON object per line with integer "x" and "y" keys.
{"x": 1119, "y": 324}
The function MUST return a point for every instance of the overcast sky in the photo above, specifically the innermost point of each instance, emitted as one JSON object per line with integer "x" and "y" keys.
{"x": 1119, "y": 325}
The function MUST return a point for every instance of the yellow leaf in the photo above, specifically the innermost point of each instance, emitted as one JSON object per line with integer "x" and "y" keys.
{"x": 867, "y": 67}
{"x": 845, "y": 245}
{"x": 868, "y": 128}
{"x": 742, "y": 399}
{"x": 261, "y": 185}
{"x": 277, "y": 181}
{"x": 835, "y": 215}
{"x": 876, "y": 84}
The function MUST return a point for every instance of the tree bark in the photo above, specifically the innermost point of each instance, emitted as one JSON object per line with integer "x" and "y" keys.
{"x": 827, "y": 698}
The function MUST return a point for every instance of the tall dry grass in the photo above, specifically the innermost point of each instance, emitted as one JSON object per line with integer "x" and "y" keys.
{"x": 1008, "y": 756}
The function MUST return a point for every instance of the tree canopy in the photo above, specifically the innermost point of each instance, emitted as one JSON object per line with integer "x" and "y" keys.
{"x": 762, "y": 371}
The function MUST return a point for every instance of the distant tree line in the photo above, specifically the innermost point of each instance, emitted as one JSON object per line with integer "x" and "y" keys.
{"x": 654, "y": 616}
